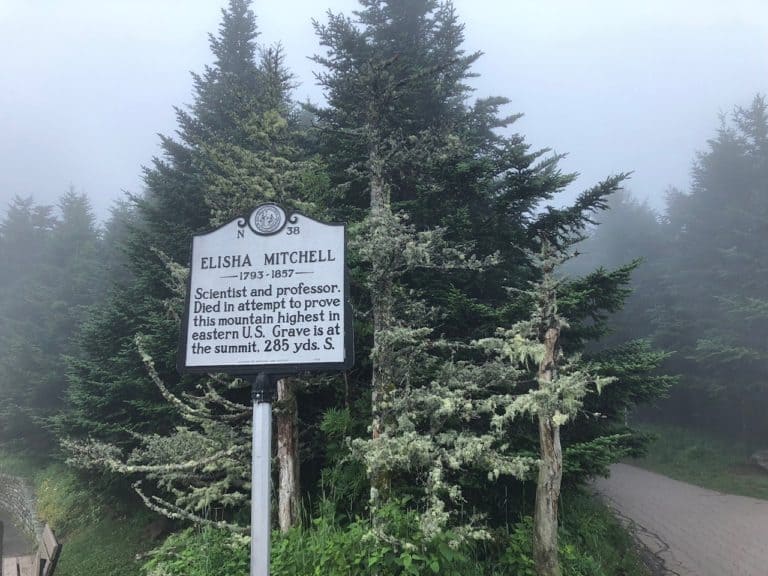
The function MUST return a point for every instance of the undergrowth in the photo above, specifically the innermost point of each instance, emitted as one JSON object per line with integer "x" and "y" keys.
{"x": 592, "y": 544}
{"x": 100, "y": 536}
{"x": 703, "y": 460}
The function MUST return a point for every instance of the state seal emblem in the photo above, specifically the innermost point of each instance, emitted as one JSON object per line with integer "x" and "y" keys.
{"x": 267, "y": 219}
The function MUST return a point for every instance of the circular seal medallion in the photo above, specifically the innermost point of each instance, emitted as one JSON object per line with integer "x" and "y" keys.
{"x": 267, "y": 219}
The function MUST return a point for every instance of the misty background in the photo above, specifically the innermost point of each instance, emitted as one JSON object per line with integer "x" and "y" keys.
{"x": 86, "y": 85}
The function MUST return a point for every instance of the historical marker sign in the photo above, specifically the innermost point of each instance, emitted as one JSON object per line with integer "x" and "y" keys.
{"x": 267, "y": 293}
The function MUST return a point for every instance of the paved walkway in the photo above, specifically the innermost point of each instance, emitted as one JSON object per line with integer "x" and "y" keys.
{"x": 695, "y": 531}
{"x": 15, "y": 543}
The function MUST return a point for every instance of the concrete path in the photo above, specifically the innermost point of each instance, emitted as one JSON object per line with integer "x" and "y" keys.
{"x": 15, "y": 543}
{"x": 695, "y": 531}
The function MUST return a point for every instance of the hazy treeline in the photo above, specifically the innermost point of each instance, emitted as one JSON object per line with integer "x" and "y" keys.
{"x": 700, "y": 292}
{"x": 57, "y": 263}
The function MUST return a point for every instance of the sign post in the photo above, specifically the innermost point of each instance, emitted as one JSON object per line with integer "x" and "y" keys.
{"x": 267, "y": 295}
{"x": 261, "y": 474}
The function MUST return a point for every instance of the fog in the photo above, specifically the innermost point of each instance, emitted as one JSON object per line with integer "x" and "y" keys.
{"x": 87, "y": 85}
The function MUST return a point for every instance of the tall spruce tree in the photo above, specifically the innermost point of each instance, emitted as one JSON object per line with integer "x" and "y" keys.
{"x": 25, "y": 237}
{"x": 55, "y": 272}
{"x": 235, "y": 148}
{"x": 369, "y": 72}
{"x": 110, "y": 393}
{"x": 404, "y": 144}
{"x": 425, "y": 180}
{"x": 715, "y": 276}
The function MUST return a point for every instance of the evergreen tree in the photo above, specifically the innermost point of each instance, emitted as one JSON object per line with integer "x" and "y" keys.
{"x": 425, "y": 181}
{"x": 55, "y": 272}
{"x": 365, "y": 78}
{"x": 236, "y": 148}
{"x": 629, "y": 231}
{"x": 214, "y": 168}
{"x": 715, "y": 274}
{"x": 447, "y": 166}
{"x": 24, "y": 243}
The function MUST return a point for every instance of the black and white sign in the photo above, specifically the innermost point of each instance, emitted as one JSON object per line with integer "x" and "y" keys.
{"x": 267, "y": 294}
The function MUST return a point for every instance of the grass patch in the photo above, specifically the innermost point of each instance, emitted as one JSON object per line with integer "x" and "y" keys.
{"x": 604, "y": 546}
{"x": 109, "y": 546}
{"x": 20, "y": 465}
{"x": 98, "y": 537}
{"x": 703, "y": 460}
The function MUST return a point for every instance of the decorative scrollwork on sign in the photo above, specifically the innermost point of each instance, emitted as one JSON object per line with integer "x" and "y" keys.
{"x": 267, "y": 219}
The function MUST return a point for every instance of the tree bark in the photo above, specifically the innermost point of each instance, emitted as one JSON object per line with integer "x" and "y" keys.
{"x": 381, "y": 303}
{"x": 289, "y": 489}
{"x": 381, "y": 296}
{"x": 545, "y": 522}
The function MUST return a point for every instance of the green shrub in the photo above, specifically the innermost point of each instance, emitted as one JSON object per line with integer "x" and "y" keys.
{"x": 593, "y": 542}
{"x": 517, "y": 555}
{"x": 200, "y": 552}
{"x": 328, "y": 549}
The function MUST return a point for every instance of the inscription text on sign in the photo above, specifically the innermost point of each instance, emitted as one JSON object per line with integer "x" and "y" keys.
{"x": 267, "y": 293}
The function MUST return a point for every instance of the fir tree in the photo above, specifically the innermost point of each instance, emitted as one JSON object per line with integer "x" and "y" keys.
{"x": 185, "y": 191}
{"x": 714, "y": 313}
{"x": 444, "y": 167}
{"x": 449, "y": 167}
{"x": 236, "y": 148}
{"x": 556, "y": 397}
{"x": 55, "y": 272}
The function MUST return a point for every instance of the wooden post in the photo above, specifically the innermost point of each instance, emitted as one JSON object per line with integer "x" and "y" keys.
{"x": 287, "y": 454}
{"x": 545, "y": 521}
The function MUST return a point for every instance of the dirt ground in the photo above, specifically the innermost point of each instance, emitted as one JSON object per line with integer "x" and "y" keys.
{"x": 692, "y": 531}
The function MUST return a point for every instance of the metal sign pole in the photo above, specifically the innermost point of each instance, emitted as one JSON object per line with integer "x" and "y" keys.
{"x": 261, "y": 476}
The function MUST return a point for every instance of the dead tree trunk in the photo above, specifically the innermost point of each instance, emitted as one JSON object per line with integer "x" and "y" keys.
{"x": 381, "y": 300}
{"x": 381, "y": 297}
{"x": 287, "y": 455}
{"x": 545, "y": 522}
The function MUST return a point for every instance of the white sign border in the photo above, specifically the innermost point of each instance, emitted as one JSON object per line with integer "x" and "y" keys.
{"x": 249, "y": 369}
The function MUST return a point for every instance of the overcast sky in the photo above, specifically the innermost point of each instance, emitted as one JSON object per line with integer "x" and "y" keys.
{"x": 86, "y": 85}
